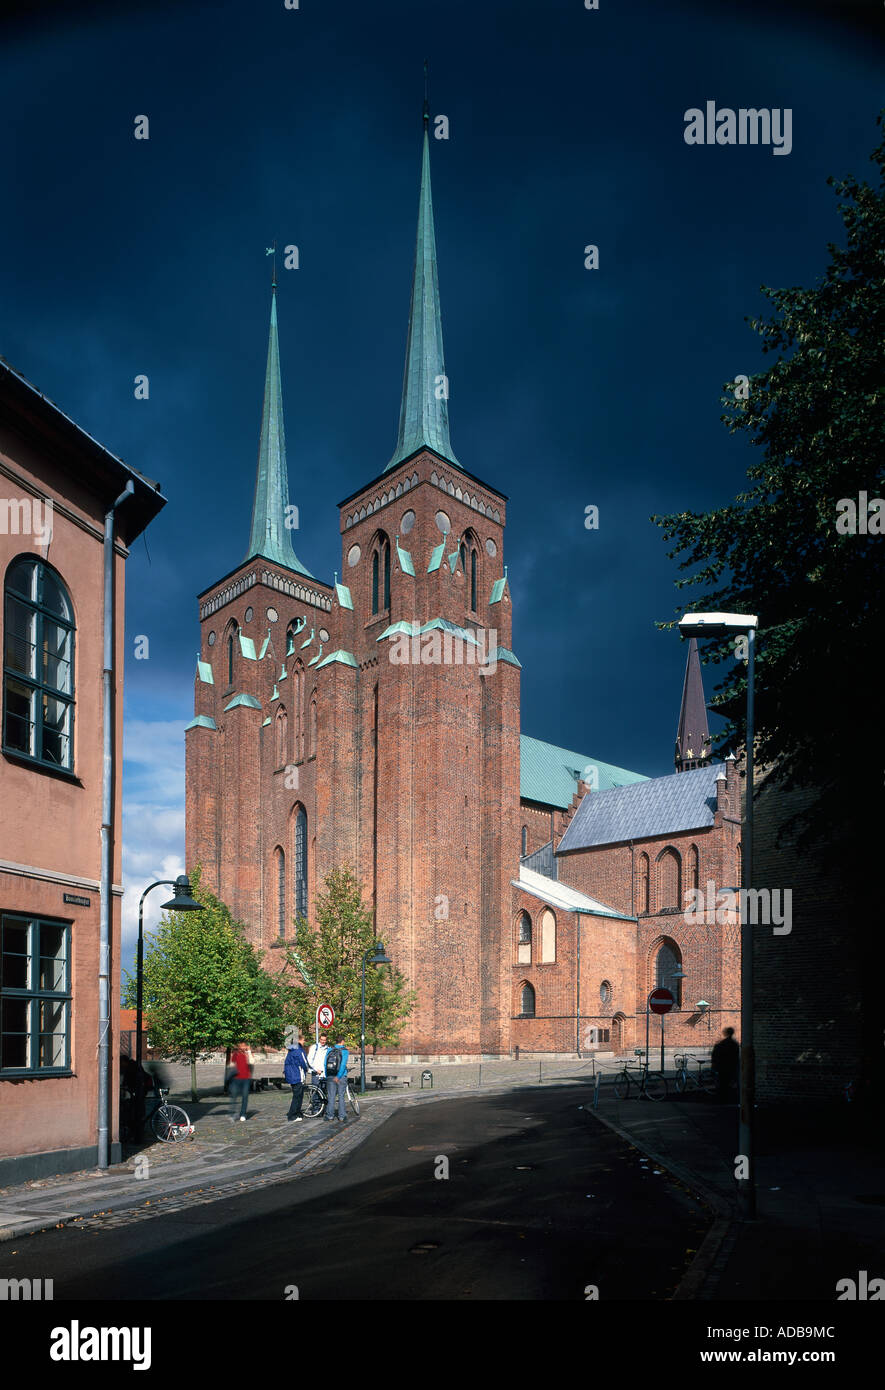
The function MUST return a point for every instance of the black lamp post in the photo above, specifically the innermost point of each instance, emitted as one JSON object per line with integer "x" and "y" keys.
{"x": 374, "y": 957}
{"x": 182, "y": 902}
{"x": 721, "y": 625}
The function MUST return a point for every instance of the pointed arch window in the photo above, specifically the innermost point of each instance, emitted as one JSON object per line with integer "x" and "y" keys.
{"x": 298, "y": 752}
{"x": 281, "y": 890}
{"x": 667, "y": 961}
{"x": 231, "y": 649}
{"x": 473, "y": 580}
{"x": 301, "y": 863}
{"x": 669, "y": 880}
{"x": 548, "y": 936}
{"x": 312, "y": 742}
{"x": 524, "y": 939}
{"x": 282, "y": 738}
{"x": 694, "y": 868}
{"x": 644, "y": 901}
{"x": 526, "y": 1001}
{"x": 38, "y": 665}
{"x": 381, "y": 575}
{"x": 525, "y": 840}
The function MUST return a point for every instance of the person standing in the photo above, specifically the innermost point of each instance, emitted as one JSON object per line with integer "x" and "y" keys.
{"x": 336, "y": 1080}
{"x": 316, "y": 1057}
{"x": 726, "y": 1062}
{"x": 295, "y": 1072}
{"x": 242, "y": 1062}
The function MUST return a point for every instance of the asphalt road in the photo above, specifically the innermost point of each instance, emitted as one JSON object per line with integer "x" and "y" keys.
{"x": 540, "y": 1202}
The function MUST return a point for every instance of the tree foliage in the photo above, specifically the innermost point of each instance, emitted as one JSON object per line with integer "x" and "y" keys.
{"x": 328, "y": 960}
{"x": 204, "y": 987}
{"x": 816, "y": 417}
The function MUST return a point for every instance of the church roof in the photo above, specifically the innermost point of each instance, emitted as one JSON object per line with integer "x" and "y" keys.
{"x": 559, "y": 895}
{"x": 270, "y": 535}
{"x": 660, "y": 806}
{"x": 424, "y": 410}
{"x": 550, "y": 775}
{"x": 693, "y": 736}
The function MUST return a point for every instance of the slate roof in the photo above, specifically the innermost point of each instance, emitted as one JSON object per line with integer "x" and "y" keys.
{"x": 560, "y": 895}
{"x": 550, "y": 775}
{"x": 660, "y": 806}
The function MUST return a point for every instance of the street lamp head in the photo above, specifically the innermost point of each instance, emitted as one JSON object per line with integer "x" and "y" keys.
{"x": 702, "y": 1005}
{"x": 716, "y": 624}
{"x": 380, "y": 957}
{"x": 183, "y": 901}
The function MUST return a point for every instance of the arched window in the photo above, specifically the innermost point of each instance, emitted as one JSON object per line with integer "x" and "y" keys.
{"x": 280, "y": 858}
{"x": 473, "y": 580}
{"x": 740, "y": 867}
{"x": 38, "y": 665}
{"x": 669, "y": 874}
{"x": 381, "y": 575}
{"x": 548, "y": 935}
{"x": 526, "y": 1002}
{"x": 694, "y": 867}
{"x": 282, "y": 738}
{"x": 525, "y": 840}
{"x": 298, "y": 678}
{"x": 644, "y": 901}
{"x": 232, "y": 636}
{"x": 524, "y": 939}
{"x": 300, "y": 860}
{"x": 667, "y": 961}
{"x": 605, "y": 992}
{"x": 313, "y": 729}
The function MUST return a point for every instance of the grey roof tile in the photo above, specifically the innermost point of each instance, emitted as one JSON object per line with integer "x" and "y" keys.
{"x": 661, "y": 806}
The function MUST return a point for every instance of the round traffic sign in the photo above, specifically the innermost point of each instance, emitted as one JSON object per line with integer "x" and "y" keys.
{"x": 661, "y": 1001}
{"x": 326, "y": 1015}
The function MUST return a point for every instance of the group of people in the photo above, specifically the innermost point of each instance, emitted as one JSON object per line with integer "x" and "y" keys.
{"x": 302, "y": 1068}
{"x": 320, "y": 1062}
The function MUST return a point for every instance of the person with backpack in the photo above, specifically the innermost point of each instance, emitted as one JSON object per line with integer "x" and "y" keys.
{"x": 336, "y": 1080}
{"x": 295, "y": 1071}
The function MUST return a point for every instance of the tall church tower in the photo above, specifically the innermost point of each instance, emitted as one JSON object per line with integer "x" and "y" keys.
{"x": 693, "y": 744}
{"x": 373, "y": 723}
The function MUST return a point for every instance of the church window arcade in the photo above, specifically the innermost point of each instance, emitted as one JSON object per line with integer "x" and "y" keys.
{"x": 380, "y": 575}
{"x": 669, "y": 875}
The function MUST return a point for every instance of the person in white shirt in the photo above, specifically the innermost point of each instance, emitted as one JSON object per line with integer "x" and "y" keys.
{"x": 316, "y": 1057}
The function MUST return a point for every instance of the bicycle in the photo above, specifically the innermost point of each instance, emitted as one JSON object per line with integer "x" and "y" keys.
{"x": 686, "y": 1080}
{"x": 169, "y": 1122}
{"x": 316, "y": 1098}
{"x": 652, "y": 1085}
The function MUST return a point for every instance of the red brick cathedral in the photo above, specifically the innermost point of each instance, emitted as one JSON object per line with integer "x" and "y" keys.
{"x": 532, "y": 895}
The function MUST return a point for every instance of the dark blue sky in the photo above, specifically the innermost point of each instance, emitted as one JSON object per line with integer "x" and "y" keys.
{"x": 568, "y": 387}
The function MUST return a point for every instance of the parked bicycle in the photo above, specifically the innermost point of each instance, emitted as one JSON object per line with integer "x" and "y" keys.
{"x": 650, "y": 1084}
{"x": 687, "y": 1080}
{"x": 169, "y": 1123}
{"x": 316, "y": 1098}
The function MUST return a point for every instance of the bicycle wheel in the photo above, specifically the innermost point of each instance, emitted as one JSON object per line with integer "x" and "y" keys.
{"x": 655, "y": 1087}
{"x": 682, "y": 1082}
{"x": 622, "y": 1085}
{"x": 314, "y": 1102}
{"x": 352, "y": 1100}
{"x": 708, "y": 1080}
{"x": 170, "y": 1123}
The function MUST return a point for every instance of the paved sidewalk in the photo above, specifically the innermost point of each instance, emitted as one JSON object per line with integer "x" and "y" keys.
{"x": 820, "y": 1196}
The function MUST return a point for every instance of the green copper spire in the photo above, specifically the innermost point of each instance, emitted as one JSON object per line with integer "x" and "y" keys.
{"x": 270, "y": 536}
{"x": 424, "y": 414}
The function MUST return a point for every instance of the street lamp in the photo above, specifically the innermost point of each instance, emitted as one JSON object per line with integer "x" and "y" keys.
{"x": 377, "y": 956}
{"x": 182, "y": 902}
{"x": 721, "y": 625}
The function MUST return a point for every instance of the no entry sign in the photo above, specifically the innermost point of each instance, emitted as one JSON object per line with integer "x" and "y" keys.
{"x": 325, "y": 1016}
{"x": 661, "y": 1001}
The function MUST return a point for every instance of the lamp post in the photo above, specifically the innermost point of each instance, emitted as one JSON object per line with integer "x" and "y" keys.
{"x": 721, "y": 625}
{"x": 677, "y": 975}
{"x": 377, "y": 956}
{"x": 182, "y": 902}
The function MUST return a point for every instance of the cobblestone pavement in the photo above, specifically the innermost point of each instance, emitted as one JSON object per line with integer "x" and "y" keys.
{"x": 221, "y": 1159}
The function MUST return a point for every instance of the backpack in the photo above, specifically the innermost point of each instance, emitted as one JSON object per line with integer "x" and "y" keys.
{"x": 333, "y": 1061}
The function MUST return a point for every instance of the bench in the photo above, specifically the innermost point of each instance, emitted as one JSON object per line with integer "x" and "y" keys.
{"x": 382, "y": 1080}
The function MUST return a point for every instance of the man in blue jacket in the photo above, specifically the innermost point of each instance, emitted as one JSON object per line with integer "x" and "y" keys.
{"x": 295, "y": 1071}
{"x": 336, "y": 1080}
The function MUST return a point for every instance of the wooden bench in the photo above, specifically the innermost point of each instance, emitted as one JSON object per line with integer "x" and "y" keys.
{"x": 382, "y": 1080}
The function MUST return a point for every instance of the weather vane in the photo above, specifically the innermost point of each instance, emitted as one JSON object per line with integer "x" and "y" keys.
{"x": 272, "y": 251}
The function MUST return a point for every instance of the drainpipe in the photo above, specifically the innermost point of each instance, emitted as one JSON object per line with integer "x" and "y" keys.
{"x": 578, "y": 984}
{"x": 107, "y": 847}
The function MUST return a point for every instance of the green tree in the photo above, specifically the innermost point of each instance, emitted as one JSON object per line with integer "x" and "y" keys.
{"x": 328, "y": 961}
{"x": 816, "y": 415}
{"x": 204, "y": 986}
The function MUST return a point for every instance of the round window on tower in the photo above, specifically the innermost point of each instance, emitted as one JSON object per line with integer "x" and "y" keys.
{"x": 407, "y": 522}
{"x": 353, "y": 555}
{"x": 211, "y": 639}
{"x": 324, "y": 636}
{"x": 272, "y": 615}
{"x": 605, "y": 992}
{"x": 249, "y": 614}
{"x": 443, "y": 523}
{"x": 491, "y": 548}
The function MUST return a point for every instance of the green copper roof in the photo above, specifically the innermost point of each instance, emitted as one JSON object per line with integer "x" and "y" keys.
{"x": 497, "y": 590}
{"x": 401, "y": 626}
{"x": 246, "y": 701}
{"x": 202, "y": 721}
{"x": 264, "y": 646}
{"x": 446, "y": 625}
{"x": 247, "y": 647}
{"x": 424, "y": 412}
{"x": 270, "y": 536}
{"x": 307, "y": 641}
{"x": 343, "y": 593}
{"x": 204, "y": 669}
{"x": 550, "y": 775}
{"x": 436, "y": 557}
{"x": 265, "y": 722}
{"x": 505, "y": 654}
{"x": 345, "y": 658}
{"x": 405, "y": 559}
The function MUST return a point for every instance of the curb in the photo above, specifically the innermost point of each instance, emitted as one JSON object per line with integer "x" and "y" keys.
{"x": 702, "y": 1276}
